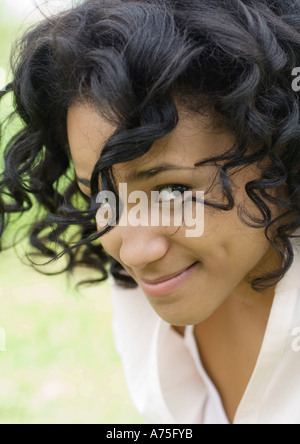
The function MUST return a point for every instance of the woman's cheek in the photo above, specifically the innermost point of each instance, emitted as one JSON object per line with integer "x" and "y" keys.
{"x": 111, "y": 242}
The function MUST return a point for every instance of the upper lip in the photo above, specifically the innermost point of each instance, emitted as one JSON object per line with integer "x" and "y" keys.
{"x": 165, "y": 278}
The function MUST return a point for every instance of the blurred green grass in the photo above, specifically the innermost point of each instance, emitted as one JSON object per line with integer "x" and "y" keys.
{"x": 60, "y": 365}
{"x": 8, "y": 30}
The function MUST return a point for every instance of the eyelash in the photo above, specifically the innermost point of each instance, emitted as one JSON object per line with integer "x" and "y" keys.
{"x": 174, "y": 187}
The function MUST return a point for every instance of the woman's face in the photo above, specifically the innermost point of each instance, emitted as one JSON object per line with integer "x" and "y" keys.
{"x": 185, "y": 279}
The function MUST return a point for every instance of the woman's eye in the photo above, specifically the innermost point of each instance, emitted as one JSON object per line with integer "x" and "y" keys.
{"x": 172, "y": 192}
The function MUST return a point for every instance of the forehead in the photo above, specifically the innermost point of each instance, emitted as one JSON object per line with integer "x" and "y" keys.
{"x": 88, "y": 132}
{"x": 191, "y": 141}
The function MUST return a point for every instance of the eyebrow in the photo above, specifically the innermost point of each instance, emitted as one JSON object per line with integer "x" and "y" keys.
{"x": 85, "y": 182}
{"x": 136, "y": 176}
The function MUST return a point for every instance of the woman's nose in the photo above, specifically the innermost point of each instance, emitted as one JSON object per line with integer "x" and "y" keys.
{"x": 141, "y": 246}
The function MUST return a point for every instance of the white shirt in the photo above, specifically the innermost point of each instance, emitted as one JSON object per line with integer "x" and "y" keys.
{"x": 168, "y": 384}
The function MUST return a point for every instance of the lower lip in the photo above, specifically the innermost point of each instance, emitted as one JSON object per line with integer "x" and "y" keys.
{"x": 166, "y": 287}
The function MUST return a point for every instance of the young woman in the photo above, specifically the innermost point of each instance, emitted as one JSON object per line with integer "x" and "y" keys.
{"x": 173, "y": 96}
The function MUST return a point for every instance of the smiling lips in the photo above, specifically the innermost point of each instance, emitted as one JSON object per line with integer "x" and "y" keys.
{"x": 166, "y": 285}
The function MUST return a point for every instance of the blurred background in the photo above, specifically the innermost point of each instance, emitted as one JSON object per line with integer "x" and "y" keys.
{"x": 58, "y": 364}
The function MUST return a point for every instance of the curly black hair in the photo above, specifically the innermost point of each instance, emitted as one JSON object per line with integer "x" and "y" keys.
{"x": 135, "y": 60}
